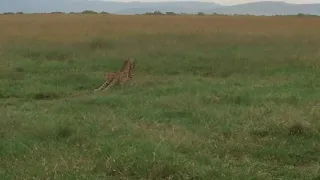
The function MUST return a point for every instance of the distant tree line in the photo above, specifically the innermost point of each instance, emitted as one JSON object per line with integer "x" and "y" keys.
{"x": 172, "y": 13}
{"x": 157, "y": 13}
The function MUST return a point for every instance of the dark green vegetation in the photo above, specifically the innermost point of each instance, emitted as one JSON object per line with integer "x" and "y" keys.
{"x": 212, "y": 98}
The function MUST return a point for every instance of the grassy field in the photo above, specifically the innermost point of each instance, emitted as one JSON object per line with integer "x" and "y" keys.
{"x": 213, "y": 97}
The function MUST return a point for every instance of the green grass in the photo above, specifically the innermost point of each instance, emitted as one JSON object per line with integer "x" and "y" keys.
{"x": 200, "y": 107}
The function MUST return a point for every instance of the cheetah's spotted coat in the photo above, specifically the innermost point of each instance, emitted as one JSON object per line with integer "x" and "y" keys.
{"x": 113, "y": 78}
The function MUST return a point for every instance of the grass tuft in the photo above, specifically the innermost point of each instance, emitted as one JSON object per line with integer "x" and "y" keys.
{"x": 45, "y": 96}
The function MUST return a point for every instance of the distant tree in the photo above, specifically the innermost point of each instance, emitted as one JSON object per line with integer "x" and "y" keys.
{"x": 88, "y": 12}
{"x": 306, "y": 15}
{"x": 171, "y": 13}
{"x": 154, "y": 13}
{"x": 103, "y": 12}
{"x": 57, "y": 12}
{"x": 201, "y": 14}
{"x": 19, "y": 12}
{"x": 157, "y": 13}
{"x": 8, "y": 13}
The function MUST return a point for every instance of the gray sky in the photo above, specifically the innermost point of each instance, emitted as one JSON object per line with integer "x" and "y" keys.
{"x": 231, "y": 2}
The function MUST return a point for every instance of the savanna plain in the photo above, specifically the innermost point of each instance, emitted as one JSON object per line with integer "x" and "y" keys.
{"x": 213, "y": 97}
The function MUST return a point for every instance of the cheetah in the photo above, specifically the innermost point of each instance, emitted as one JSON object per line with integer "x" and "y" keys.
{"x": 113, "y": 78}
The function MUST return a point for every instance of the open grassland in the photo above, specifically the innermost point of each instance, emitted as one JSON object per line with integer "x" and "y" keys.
{"x": 213, "y": 97}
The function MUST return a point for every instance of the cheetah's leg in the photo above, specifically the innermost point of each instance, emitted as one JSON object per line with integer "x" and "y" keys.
{"x": 112, "y": 83}
{"x": 103, "y": 86}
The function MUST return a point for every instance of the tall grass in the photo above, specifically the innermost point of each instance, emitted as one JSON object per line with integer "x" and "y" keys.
{"x": 213, "y": 97}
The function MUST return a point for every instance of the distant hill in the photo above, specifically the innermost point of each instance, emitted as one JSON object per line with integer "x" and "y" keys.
{"x": 29, "y": 6}
{"x": 177, "y": 7}
{"x": 192, "y": 7}
{"x": 269, "y": 8}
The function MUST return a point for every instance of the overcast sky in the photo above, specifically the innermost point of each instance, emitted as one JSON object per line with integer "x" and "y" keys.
{"x": 229, "y": 2}
{"x": 232, "y": 2}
